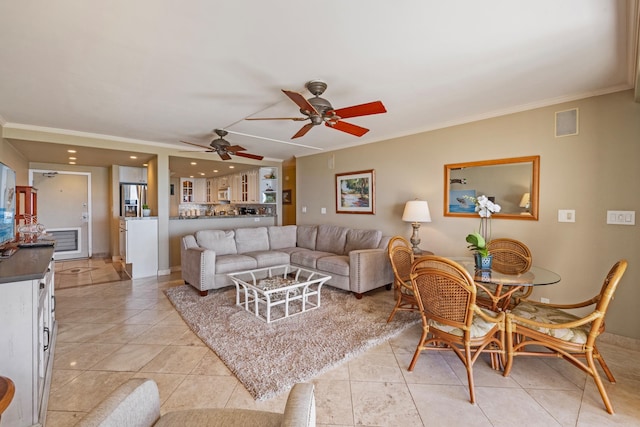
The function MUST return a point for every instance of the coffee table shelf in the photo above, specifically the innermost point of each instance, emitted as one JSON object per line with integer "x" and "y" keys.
{"x": 279, "y": 292}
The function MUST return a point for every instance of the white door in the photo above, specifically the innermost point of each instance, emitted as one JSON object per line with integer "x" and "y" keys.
{"x": 64, "y": 209}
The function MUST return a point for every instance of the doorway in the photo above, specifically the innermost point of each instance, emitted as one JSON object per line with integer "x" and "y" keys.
{"x": 64, "y": 208}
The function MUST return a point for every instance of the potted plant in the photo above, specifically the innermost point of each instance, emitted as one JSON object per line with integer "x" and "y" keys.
{"x": 478, "y": 240}
{"x": 145, "y": 210}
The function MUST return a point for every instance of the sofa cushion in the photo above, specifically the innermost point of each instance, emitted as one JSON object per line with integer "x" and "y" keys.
{"x": 331, "y": 238}
{"x": 220, "y": 417}
{"x": 282, "y": 236}
{"x": 252, "y": 239}
{"x": 306, "y": 236}
{"x": 308, "y": 258}
{"x": 234, "y": 263}
{"x": 220, "y": 241}
{"x": 337, "y": 264}
{"x": 269, "y": 258}
{"x": 362, "y": 239}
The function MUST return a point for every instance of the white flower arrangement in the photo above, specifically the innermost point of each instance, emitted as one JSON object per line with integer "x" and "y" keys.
{"x": 478, "y": 240}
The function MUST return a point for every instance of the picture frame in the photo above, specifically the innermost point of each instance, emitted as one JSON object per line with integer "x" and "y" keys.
{"x": 286, "y": 197}
{"x": 355, "y": 192}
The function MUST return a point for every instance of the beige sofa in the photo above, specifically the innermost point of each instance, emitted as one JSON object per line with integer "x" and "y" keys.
{"x": 136, "y": 403}
{"x": 355, "y": 259}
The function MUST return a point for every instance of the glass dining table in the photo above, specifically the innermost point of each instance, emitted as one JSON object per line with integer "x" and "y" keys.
{"x": 506, "y": 284}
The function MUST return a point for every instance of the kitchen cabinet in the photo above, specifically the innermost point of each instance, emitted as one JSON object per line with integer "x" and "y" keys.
{"x": 193, "y": 190}
{"x": 27, "y": 335}
{"x": 186, "y": 190}
{"x": 139, "y": 246}
{"x": 212, "y": 190}
{"x": 132, "y": 175}
{"x": 200, "y": 190}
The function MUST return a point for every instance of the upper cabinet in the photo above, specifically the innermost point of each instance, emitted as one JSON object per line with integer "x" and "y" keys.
{"x": 186, "y": 190}
{"x": 131, "y": 175}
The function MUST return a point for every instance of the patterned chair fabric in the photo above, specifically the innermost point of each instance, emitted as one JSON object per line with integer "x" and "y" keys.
{"x": 531, "y": 325}
{"x": 451, "y": 320}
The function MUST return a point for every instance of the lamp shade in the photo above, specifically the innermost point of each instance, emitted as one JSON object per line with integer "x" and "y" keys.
{"x": 416, "y": 211}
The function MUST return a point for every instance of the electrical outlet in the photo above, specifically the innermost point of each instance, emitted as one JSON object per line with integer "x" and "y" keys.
{"x": 323, "y": 210}
{"x": 304, "y": 209}
{"x": 545, "y": 300}
{"x": 621, "y": 217}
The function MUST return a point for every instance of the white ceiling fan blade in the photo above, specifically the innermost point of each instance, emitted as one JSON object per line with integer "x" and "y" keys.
{"x": 274, "y": 140}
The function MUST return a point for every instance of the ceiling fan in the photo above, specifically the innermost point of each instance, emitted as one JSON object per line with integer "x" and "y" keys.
{"x": 224, "y": 148}
{"x": 319, "y": 111}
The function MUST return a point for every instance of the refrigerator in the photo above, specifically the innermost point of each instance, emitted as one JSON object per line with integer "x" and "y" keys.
{"x": 132, "y": 197}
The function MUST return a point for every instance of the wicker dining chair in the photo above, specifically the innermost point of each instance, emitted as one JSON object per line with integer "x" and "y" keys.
{"x": 565, "y": 334}
{"x": 510, "y": 256}
{"x": 401, "y": 257}
{"x": 451, "y": 320}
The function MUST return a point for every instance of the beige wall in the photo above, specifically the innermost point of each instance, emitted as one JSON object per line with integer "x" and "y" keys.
{"x": 592, "y": 172}
{"x": 10, "y": 157}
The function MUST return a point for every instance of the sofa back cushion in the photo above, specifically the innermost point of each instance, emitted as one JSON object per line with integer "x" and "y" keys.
{"x": 307, "y": 235}
{"x": 252, "y": 239}
{"x": 281, "y": 237}
{"x": 362, "y": 239}
{"x": 220, "y": 241}
{"x": 331, "y": 238}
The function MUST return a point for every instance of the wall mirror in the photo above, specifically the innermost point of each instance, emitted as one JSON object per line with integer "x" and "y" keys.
{"x": 511, "y": 183}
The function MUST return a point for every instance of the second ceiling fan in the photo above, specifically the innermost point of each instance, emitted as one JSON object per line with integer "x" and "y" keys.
{"x": 319, "y": 111}
{"x": 224, "y": 148}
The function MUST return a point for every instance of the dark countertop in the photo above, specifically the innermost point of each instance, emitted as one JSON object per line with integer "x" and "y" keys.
{"x": 25, "y": 264}
{"x": 222, "y": 216}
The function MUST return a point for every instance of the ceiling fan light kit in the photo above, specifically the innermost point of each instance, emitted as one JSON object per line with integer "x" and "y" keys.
{"x": 319, "y": 110}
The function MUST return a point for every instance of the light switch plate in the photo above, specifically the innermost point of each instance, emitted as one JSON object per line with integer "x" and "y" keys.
{"x": 621, "y": 217}
{"x": 566, "y": 215}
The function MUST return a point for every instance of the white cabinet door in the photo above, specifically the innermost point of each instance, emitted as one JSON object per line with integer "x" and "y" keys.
{"x": 186, "y": 190}
{"x": 133, "y": 175}
{"x": 200, "y": 190}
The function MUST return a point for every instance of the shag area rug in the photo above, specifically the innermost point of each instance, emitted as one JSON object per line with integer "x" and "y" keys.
{"x": 269, "y": 358}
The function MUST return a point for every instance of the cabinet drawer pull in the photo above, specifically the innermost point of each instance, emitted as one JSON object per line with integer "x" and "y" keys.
{"x": 48, "y": 335}
{"x": 53, "y": 303}
{"x": 41, "y": 285}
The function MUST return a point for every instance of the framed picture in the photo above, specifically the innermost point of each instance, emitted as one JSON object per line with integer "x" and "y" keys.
{"x": 355, "y": 192}
{"x": 459, "y": 201}
{"x": 286, "y": 197}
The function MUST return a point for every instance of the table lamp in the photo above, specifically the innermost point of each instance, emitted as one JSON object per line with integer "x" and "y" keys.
{"x": 416, "y": 212}
{"x": 525, "y": 201}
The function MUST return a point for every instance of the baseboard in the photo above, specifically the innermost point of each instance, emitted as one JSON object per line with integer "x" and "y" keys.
{"x": 620, "y": 341}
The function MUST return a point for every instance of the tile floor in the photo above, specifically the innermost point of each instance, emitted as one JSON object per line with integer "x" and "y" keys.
{"x": 113, "y": 331}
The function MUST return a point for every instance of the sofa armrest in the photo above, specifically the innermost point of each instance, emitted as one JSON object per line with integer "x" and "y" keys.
{"x": 134, "y": 403}
{"x": 198, "y": 267}
{"x": 369, "y": 269}
{"x": 300, "y": 410}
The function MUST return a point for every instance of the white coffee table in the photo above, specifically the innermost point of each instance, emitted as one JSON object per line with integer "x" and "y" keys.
{"x": 275, "y": 293}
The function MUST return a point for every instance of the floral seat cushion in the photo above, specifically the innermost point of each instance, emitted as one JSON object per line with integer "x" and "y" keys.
{"x": 479, "y": 326}
{"x": 544, "y": 314}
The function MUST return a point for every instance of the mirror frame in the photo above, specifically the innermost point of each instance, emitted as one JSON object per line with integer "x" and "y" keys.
{"x": 535, "y": 186}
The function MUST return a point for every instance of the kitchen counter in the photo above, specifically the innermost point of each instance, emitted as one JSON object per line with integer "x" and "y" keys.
{"x": 221, "y": 216}
{"x": 137, "y": 218}
{"x": 25, "y": 264}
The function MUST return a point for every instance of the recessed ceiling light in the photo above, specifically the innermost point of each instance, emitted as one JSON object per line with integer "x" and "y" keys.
{"x": 72, "y": 158}
{"x": 193, "y": 163}
{"x": 202, "y": 173}
{"x": 215, "y": 170}
{"x": 145, "y": 164}
{"x": 190, "y": 176}
{"x": 71, "y": 151}
{"x": 231, "y": 167}
{"x": 133, "y": 157}
{"x": 72, "y": 163}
